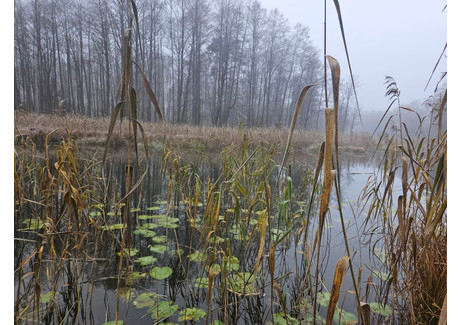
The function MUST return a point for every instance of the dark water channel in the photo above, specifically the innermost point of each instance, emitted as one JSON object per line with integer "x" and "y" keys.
{"x": 94, "y": 289}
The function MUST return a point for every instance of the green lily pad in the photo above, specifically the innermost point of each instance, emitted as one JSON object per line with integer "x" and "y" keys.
{"x": 323, "y": 298}
{"x": 133, "y": 277}
{"x": 144, "y": 217}
{"x": 342, "y": 317}
{"x": 144, "y": 232}
{"x": 32, "y": 224}
{"x": 161, "y": 202}
{"x": 283, "y": 319}
{"x": 163, "y": 309}
{"x": 158, "y": 249}
{"x": 146, "y": 299}
{"x": 160, "y": 273}
{"x": 196, "y": 257}
{"x": 135, "y": 209}
{"x": 46, "y": 297}
{"x": 95, "y": 213}
{"x": 153, "y": 208}
{"x": 146, "y": 260}
{"x": 201, "y": 282}
{"x": 194, "y": 314}
{"x": 217, "y": 322}
{"x": 112, "y": 213}
{"x": 131, "y": 252}
{"x": 382, "y": 275}
{"x": 159, "y": 239}
{"x": 380, "y": 309}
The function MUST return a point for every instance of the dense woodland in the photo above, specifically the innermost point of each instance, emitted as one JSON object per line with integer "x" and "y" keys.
{"x": 209, "y": 62}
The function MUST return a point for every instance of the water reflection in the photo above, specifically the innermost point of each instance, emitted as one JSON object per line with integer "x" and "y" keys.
{"x": 87, "y": 283}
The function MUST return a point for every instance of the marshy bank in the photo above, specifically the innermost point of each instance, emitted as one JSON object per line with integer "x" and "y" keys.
{"x": 92, "y": 132}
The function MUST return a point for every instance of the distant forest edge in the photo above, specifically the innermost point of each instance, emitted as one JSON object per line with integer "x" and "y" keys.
{"x": 217, "y": 63}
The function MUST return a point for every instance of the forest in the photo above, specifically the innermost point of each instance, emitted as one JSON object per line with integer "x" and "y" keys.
{"x": 214, "y": 63}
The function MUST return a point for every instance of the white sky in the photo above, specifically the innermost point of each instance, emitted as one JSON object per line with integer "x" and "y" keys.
{"x": 402, "y": 39}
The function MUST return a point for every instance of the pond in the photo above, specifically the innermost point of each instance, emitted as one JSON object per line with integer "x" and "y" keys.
{"x": 198, "y": 248}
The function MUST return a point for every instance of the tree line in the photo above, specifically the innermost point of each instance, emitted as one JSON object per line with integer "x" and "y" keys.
{"x": 220, "y": 62}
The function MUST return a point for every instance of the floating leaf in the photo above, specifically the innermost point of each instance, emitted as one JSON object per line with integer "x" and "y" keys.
{"x": 380, "y": 309}
{"x": 158, "y": 249}
{"x": 112, "y": 213}
{"x": 196, "y": 257}
{"x": 130, "y": 252}
{"x": 120, "y": 322}
{"x": 145, "y": 217}
{"x": 194, "y": 314}
{"x": 217, "y": 322}
{"x": 95, "y": 213}
{"x": 144, "y": 232}
{"x": 135, "y": 209}
{"x": 146, "y": 260}
{"x": 146, "y": 299}
{"x": 159, "y": 239}
{"x": 382, "y": 275}
{"x": 161, "y": 202}
{"x": 323, "y": 298}
{"x": 283, "y": 319}
{"x": 153, "y": 208}
{"x": 32, "y": 224}
{"x": 163, "y": 309}
{"x": 133, "y": 277}
{"x": 342, "y": 317}
{"x": 160, "y": 273}
{"x": 201, "y": 282}
{"x": 46, "y": 297}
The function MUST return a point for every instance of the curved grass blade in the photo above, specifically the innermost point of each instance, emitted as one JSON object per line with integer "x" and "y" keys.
{"x": 150, "y": 92}
{"x": 339, "y": 275}
{"x": 339, "y": 14}
{"x": 293, "y": 122}
{"x": 133, "y": 109}
{"x": 113, "y": 120}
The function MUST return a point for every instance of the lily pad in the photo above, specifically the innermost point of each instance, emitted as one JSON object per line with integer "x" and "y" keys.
{"x": 201, "y": 282}
{"x": 145, "y": 217}
{"x": 133, "y": 277}
{"x": 194, "y": 314}
{"x": 162, "y": 309}
{"x": 283, "y": 319}
{"x": 146, "y": 260}
{"x": 158, "y": 249}
{"x": 144, "y": 232}
{"x": 159, "y": 239}
{"x": 46, "y": 297}
{"x": 153, "y": 208}
{"x": 160, "y": 273}
{"x": 382, "y": 275}
{"x": 380, "y": 309}
{"x": 146, "y": 299}
{"x": 196, "y": 257}
{"x": 131, "y": 252}
{"x": 161, "y": 202}
{"x": 32, "y": 224}
{"x": 323, "y": 298}
{"x": 135, "y": 209}
{"x": 342, "y": 317}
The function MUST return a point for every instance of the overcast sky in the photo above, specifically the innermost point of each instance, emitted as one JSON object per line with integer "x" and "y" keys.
{"x": 402, "y": 39}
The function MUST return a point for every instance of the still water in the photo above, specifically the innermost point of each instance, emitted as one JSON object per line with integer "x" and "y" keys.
{"x": 169, "y": 236}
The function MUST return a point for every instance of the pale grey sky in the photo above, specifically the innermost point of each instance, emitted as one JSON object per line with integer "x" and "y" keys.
{"x": 402, "y": 39}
